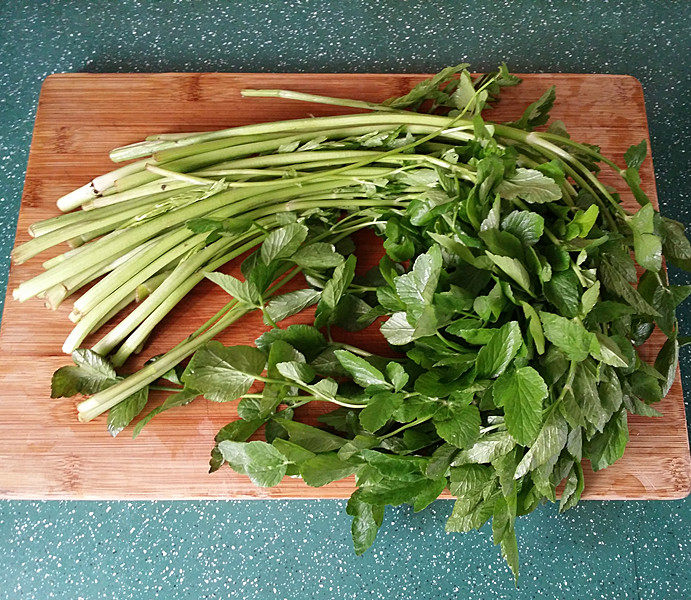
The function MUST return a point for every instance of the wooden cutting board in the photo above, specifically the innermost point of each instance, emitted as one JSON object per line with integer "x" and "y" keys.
{"x": 46, "y": 453}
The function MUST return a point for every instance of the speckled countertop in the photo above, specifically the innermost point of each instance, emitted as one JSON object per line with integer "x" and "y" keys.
{"x": 301, "y": 549}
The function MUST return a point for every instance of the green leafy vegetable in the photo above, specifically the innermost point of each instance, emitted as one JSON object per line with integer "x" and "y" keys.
{"x": 508, "y": 294}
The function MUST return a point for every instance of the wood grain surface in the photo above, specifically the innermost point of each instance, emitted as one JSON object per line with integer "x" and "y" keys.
{"x": 46, "y": 453}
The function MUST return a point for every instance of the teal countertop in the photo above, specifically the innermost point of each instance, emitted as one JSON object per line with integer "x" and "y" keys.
{"x": 301, "y": 549}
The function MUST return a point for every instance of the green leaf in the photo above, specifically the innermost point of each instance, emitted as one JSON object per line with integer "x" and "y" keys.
{"x": 513, "y": 268}
{"x": 570, "y": 337}
{"x": 325, "y": 388}
{"x": 469, "y": 514}
{"x": 286, "y": 305}
{"x": 402, "y": 468}
{"x": 537, "y": 113}
{"x": 312, "y": 438}
{"x": 397, "y": 330}
{"x": 504, "y": 534}
{"x": 354, "y": 314}
{"x": 675, "y": 244}
{"x": 333, "y": 291}
{"x": 525, "y": 225}
{"x": 549, "y": 443}
{"x": 493, "y": 358}
{"x": 362, "y": 372}
{"x": 223, "y": 373}
{"x": 462, "y": 428}
{"x": 587, "y": 396}
{"x": 317, "y": 255}
{"x": 470, "y": 481}
{"x": 534, "y": 327}
{"x": 293, "y": 453}
{"x": 563, "y": 290}
{"x": 283, "y": 242}
{"x": 416, "y": 288}
{"x": 488, "y": 448}
{"x": 632, "y": 177}
{"x": 121, "y": 415}
{"x": 529, "y": 185}
{"x": 235, "y": 431}
{"x": 647, "y": 245}
{"x": 425, "y": 88}
{"x": 582, "y": 223}
{"x": 327, "y": 364}
{"x": 264, "y": 465}
{"x": 273, "y": 393}
{"x": 325, "y": 468}
{"x": 367, "y": 518}
{"x": 608, "y": 351}
{"x": 608, "y": 310}
{"x": 440, "y": 461}
{"x": 589, "y": 298}
{"x": 397, "y": 375}
{"x": 90, "y": 374}
{"x": 667, "y": 361}
{"x": 306, "y": 339}
{"x": 379, "y": 410}
{"x": 575, "y": 483}
{"x": 393, "y": 491}
{"x": 605, "y": 448}
{"x": 429, "y": 494}
{"x": 521, "y": 393}
{"x": 296, "y": 371}
{"x": 238, "y": 431}
{"x": 242, "y": 291}
{"x": 635, "y": 155}
{"x": 612, "y": 278}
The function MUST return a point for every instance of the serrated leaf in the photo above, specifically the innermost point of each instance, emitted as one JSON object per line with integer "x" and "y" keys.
{"x": 333, "y": 291}
{"x": 223, "y": 373}
{"x": 521, "y": 393}
{"x": 493, "y": 358}
{"x": 296, "y": 371}
{"x": 90, "y": 374}
{"x": 549, "y": 442}
{"x": 306, "y": 339}
{"x": 605, "y": 448}
{"x": 242, "y": 291}
{"x": 462, "y": 428}
{"x": 513, "y": 268}
{"x": 525, "y": 225}
{"x": 416, "y": 288}
{"x": 537, "y": 113}
{"x": 312, "y": 438}
{"x": 264, "y": 465}
{"x": 379, "y": 410}
{"x": 317, "y": 255}
{"x": 362, "y": 372}
{"x": 367, "y": 518}
{"x": 286, "y": 305}
{"x": 121, "y": 415}
{"x": 570, "y": 337}
{"x": 322, "y": 469}
{"x": 488, "y": 448}
{"x": 529, "y": 185}
{"x": 635, "y": 155}
{"x": 283, "y": 242}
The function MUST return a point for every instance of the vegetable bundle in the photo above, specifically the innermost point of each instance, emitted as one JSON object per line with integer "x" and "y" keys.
{"x": 506, "y": 288}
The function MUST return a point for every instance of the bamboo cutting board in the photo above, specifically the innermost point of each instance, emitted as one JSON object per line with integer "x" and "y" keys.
{"x": 46, "y": 453}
